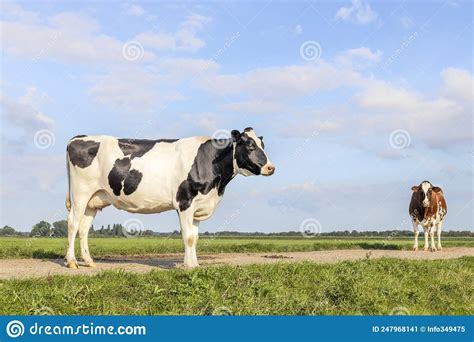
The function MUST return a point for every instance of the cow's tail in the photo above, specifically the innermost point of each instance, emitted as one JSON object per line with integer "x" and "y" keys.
{"x": 68, "y": 195}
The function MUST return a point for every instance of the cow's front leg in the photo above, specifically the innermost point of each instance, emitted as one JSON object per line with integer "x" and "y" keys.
{"x": 440, "y": 225}
{"x": 415, "y": 230}
{"x": 190, "y": 234}
{"x": 426, "y": 247}
{"x": 432, "y": 231}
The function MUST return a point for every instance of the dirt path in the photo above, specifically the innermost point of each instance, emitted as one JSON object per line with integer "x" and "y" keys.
{"x": 25, "y": 268}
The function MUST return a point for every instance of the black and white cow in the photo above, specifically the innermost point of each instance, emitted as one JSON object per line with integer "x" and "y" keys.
{"x": 151, "y": 176}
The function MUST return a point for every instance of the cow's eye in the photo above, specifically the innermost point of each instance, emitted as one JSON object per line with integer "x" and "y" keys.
{"x": 251, "y": 146}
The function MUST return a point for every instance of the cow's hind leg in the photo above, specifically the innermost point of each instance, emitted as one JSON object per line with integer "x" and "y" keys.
{"x": 432, "y": 231}
{"x": 189, "y": 231}
{"x": 71, "y": 236}
{"x": 78, "y": 209}
{"x": 84, "y": 235}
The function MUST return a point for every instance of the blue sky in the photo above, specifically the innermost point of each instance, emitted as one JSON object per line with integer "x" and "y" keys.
{"x": 357, "y": 102}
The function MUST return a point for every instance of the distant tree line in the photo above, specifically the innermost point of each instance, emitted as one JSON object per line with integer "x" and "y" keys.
{"x": 354, "y": 233}
{"x": 59, "y": 229}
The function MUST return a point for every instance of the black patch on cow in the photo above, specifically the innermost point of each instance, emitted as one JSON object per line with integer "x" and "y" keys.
{"x": 82, "y": 153}
{"x": 212, "y": 168}
{"x": 121, "y": 173}
{"x": 248, "y": 155}
{"x": 137, "y": 148}
{"x": 131, "y": 182}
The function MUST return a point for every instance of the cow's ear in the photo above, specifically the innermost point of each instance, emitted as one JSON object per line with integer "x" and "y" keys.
{"x": 261, "y": 137}
{"x": 414, "y": 188}
{"x": 236, "y": 136}
{"x": 436, "y": 189}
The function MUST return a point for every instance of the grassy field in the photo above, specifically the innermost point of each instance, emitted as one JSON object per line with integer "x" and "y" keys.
{"x": 367, "y": 287}
{"x": 14, "y": 247}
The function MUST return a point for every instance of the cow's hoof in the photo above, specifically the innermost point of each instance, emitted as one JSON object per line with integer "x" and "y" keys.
{"x": 72, "y": 264}
{"x": 440, "y": 248}
{"x": 415, "y": 248}
{"x": 425, "y": 249}
{"x": 433, "y": 249}
{"x": 90, "y": 264}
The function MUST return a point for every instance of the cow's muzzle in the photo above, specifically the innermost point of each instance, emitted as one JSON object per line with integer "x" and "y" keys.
{"x": 268, "y": 169}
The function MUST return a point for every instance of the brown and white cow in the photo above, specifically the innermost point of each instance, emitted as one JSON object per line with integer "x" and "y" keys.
{"x": 151, "y": 176}
{"x": 428, "y": 209}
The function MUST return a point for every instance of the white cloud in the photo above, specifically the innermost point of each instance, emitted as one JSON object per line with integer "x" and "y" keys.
{"x": 131, "y": 89}
{"x": 68, "y": 38}
{"x": 359, "y": 12}
{"x": 222, "y": 84}
{"x": 254, "y": 106}
{"x": 74, "y": 23}
{"x": 195, "y": 22}
{"x": 358, "y": 58}
{"x": 380, "y": 95}
{"x": 15, "y": 11}
{"x": 298, "y": 29}
{"x": 458, "y": 83}
{"x": 134, "y": 10}
{"x": 204, "y": 122}
{"x": 282, "y": 82}
{"x": 185, "y": 39}
{"x": 187, "y": 67}
{"x": 147, "y": 88}
{"x": 49, "y": 171}
{"x": 72, "y": 38}
{"x": 34, "y": 97}
{"x": 23, "y": 113}
{"x": 439, "y": 122}
{"x": 380, "y": 107}
{"x": 312, "y": 129}
{"x": 158, "y": 41}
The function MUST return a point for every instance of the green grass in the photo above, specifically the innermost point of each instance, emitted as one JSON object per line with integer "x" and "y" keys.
{"x": 367, "y": 287}
{"x": 14, "y": 247}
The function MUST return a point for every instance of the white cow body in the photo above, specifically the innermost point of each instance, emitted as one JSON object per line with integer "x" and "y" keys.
{"x": 164, "y": 167}
{"x": 143, "y": 176}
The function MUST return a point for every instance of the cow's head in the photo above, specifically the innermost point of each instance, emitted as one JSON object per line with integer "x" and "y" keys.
{"x": 249, "y": 154}
{"x": 424, "y": 191}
